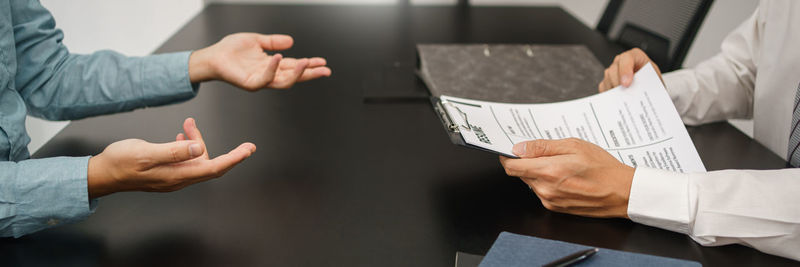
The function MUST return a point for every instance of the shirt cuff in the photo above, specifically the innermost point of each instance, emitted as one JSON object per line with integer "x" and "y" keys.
{"x": 50, "y": 192}
{"x": 168, "y": 79}
{"x": 661, "y": 199}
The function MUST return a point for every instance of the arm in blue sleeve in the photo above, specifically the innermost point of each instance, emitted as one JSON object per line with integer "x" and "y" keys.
{"x": 40, "y": 193}
{"x": 57, "y": 85}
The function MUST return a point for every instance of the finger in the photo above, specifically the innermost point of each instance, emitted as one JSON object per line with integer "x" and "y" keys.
{"x": 317, "y": 62}
{"x": 640, "y": 58}
{"x": 288, "y": 63}
{"x": 271, "y": 70}
{"x": 601, "y": 87}
{"x": 503, "y": 160}
{"x": 193, "y": 133}
{"x": 216, "y": 167}
{"x": 310, "y": 74}
{"x": 231, "y": 159}
{"x": 520, "y": 167}
{"x": 300, "y": 66}
{"x": 180, "y": 137}
{"x": 295, "y": 74}
{"x": 559, "y": 201}
{"x": 513, "y": 172}
{"x": 612, "y": 74}
{"x": 625, "y": 69}
{"x": 174, "y": 152}
{"x": 544, "y": 148}
{"x": 531, "y": 168}
{"x": 275, "y": 41}
{"x": 191, "y": 130}
{"x": 605, "y": 84}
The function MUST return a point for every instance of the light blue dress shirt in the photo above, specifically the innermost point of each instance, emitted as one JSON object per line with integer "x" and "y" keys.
{"x": 38, "y": 76}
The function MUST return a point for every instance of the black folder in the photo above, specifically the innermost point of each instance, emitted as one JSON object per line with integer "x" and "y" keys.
{"x": 508, "y": 73}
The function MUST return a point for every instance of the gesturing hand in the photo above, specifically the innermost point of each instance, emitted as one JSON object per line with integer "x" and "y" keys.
{"x": 240, "y": 59}
{"x": 573, "y": 176}
{"x": 621, "y": 70}
{"x": 136, "y": 165}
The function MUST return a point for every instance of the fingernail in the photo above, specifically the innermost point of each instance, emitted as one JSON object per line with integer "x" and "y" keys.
{"x": 626, "y": 79}
{"x": 195, "y": 150}
{"x": 519, "y": 149}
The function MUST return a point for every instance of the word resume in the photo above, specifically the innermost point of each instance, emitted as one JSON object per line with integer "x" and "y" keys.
{"x": 638, "y": 124}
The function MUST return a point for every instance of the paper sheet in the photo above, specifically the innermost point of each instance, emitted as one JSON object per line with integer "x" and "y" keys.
{"x": 638, "y": 125}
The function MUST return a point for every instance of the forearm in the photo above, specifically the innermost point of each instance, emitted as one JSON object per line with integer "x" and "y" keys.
{"x": 721, "y": 87}
{"x": 710, "y": 92}
{"x": 58, "y": 85}
{"x": 41, "y": 193}
{"x": 756, "y": 208}
{"x": 108, "y": 82}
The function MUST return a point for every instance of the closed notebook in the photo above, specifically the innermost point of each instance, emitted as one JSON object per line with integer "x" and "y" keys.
{"x": 518, "y": 250}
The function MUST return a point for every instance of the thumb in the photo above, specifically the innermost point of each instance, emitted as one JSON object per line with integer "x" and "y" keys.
{"x": 544, "y": 148}
{"x": 275, "y": 41}
{"x": 175, "y": 151}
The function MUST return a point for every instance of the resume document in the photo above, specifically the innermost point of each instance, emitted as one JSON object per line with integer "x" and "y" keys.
{"x": 638, "y": 124}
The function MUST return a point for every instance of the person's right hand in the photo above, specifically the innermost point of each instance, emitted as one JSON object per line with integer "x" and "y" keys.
{"x": 621, "y": 70}
{"x": 136, "y": 165}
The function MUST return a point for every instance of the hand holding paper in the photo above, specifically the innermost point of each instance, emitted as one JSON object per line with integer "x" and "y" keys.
{"x": 577, "y": 177}
{"x": 579, "y": 156}
{"x": 621, "y": 70}
{"x": 573, "y": 176}
{"x": 638, "y": 125}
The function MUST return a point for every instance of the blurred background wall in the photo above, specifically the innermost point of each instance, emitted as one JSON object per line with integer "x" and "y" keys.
{"x": 134, "y": 28}
{"x": 139, "y": 27}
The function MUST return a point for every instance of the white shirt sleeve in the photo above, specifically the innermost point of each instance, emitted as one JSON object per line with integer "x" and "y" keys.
{"x": 722, "y": 87}
{"x": 756, "y": 208}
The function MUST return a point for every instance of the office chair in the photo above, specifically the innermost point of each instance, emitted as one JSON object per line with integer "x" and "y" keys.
{"x": 663, "y": 29}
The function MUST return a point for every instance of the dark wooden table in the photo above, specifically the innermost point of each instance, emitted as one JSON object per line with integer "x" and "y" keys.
{"x": 340, "y": 181}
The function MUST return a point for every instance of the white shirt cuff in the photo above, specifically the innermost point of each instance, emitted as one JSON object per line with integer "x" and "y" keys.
{"x": 660, "y": 199}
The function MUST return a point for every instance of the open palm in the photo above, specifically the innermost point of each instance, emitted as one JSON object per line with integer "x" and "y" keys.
{"x": 240, "y": 59}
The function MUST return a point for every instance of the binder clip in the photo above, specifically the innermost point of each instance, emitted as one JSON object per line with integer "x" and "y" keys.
{"x": 447, "y": 121}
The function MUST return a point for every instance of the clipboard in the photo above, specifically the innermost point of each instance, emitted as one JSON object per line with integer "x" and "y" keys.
{"x": 504, "y": 73}
{"x": 454, "y": 131}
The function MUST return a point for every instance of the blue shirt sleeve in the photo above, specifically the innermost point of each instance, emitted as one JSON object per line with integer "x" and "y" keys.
{"x": 57, "y": 85}
{"x": 39, "y": 193}
{"x": 53, "y": 84}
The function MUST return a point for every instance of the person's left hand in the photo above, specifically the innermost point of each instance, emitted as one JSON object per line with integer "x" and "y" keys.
{"x": 137, "y": 165}
{"x": 240, "y": 59}
{"x": 573, "y": 176}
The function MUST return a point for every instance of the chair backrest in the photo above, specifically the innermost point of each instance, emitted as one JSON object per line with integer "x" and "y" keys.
{"x": 663, "y": 29}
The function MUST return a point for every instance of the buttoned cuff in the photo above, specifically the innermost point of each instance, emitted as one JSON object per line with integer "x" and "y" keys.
{"x": 661, "y": 199}
{"x": 50, "y": 192}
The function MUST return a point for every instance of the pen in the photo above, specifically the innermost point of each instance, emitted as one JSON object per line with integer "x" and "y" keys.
{"x": 572, "y": 258}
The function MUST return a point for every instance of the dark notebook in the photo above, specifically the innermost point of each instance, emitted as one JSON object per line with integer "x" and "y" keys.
{"x": 518, "y": 250}
{"x": 510, "y": 73}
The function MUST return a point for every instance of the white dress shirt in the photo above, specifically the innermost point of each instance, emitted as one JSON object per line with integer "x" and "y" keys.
{"x": 755, "y": 76}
